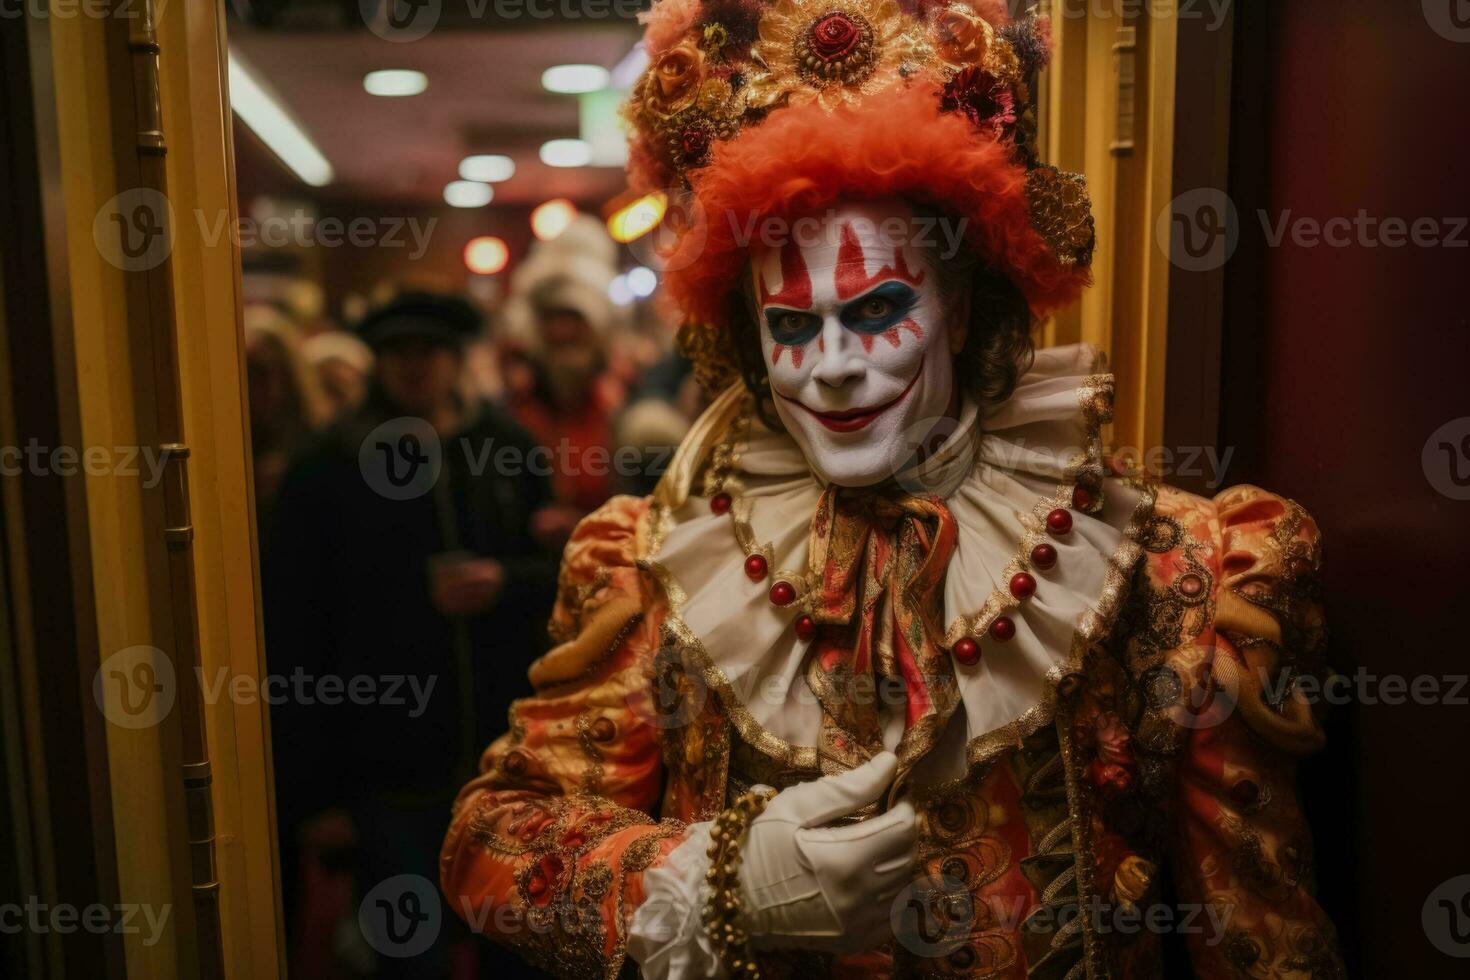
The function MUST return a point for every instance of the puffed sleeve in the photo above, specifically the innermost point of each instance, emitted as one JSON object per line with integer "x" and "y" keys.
{"x": 547, "y": 846}
{"x": 1246, "y": 848}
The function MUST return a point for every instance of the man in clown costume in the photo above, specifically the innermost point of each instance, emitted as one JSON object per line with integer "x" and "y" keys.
{"x": 892, "y": 675}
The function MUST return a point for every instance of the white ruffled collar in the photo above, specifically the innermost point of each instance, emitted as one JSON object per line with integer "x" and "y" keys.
{"x": 1000, "y": 476}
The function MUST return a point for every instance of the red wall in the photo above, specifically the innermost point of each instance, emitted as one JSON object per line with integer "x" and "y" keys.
{"x": 1339, "y": 368}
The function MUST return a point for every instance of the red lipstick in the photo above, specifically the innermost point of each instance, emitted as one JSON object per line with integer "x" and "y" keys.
{"x": 853, "y": 419}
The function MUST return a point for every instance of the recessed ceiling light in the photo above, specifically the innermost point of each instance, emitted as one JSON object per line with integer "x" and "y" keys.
{"x": 266, "y": 119}
{"x": 642, "y": 281}
{"x": 552, "y": 218}
{"x": 394, "y": 82}
{"x": 486, "y": 255}
{"x": 620, "y": 292}
{"x": 566, "y": 153}
{"x": 467, "y": 194}
{"x": 487, "y": 168}
{"x": 574, "y": 79}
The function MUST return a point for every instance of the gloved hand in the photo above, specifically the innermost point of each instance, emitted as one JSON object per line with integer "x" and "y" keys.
{"x": 828, "y": 889}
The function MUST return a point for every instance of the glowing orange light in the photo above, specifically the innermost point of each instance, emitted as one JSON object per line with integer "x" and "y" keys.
{"x": 638, "y": 218}
{"x": 552, "y": 218}
{"x": 486, "y": 255}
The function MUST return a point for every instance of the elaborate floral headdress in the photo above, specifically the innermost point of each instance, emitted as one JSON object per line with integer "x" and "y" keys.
{"x": 757, "y": 109}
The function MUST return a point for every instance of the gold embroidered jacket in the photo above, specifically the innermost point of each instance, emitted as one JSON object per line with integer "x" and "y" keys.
{"x": 1164, "y": 784}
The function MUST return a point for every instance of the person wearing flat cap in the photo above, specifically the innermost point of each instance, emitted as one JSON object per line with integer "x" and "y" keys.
{"x": 402, "y": 563}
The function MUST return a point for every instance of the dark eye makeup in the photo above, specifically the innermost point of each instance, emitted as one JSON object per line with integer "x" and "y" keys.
{"x": 880, "y": 308}
{"x": 792, "y": 327}
{"x": 871, "y": 313}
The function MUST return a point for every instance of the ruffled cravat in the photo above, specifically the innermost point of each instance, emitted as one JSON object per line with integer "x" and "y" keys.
{"x": 878, "y": 561}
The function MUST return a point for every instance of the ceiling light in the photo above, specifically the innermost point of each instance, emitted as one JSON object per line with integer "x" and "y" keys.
{"x": 467, "y": 194}
{"x": 487, "y": 168}
{"x": 486, "y": 255}
{"x": 574, "y": 79}
{"x": 393, "y": 82}
{"x": 269, "y": 121}
{"x": 566, "y": 153}
{"x": 638, "y": 218}
{"x": 642, "y": 281}
{"x": 619, "y": 291}
{"x": 552, "y": 218}
{"x": 625, "y": 73}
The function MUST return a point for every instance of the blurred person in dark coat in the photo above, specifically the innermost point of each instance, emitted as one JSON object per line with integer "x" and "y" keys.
{"x": 287, "y": 404}
{"x": 405, "y": 601}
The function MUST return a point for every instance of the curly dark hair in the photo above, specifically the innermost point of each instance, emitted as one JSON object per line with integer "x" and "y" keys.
{"x": 998, "y": 347}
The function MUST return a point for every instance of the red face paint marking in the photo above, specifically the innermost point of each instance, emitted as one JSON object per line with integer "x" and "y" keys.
{"x": 851, "y": 274}
{"x": 891, "y": 334}
{"x": 796, "y": 283}
{"x": 796, "y": 354}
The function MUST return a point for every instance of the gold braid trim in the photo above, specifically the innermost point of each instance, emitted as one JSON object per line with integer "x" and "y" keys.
{"x": 1094, "y": 626}
{"x": 677, "y": 631}
{"x": 722, "y": 910}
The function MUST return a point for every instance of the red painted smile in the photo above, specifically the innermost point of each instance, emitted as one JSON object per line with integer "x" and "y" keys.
{"x": 853, "y": 419}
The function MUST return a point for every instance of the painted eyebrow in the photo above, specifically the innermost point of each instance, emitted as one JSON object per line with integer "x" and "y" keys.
{"x": 891, "y": 289}
{"x": 895, "y": 291}
{"x": 776, "y": 312}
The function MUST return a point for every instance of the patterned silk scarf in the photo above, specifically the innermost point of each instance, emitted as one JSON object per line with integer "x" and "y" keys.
{"x": 878, "y": 562}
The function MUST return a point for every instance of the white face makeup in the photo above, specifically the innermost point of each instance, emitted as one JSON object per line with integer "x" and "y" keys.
{"x": 856, "y": 340}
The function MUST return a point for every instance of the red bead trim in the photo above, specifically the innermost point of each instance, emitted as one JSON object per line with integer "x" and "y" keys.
{"x": 1002, "y": 629}
{"x": 1023, "y": 585}
{"x": 756, "y": 568}
{"x": 967, "y": 651}
{"x": 1059, "y": 521}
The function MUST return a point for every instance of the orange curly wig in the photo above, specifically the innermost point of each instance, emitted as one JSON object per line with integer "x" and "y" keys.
{"x": 895, "y": 143}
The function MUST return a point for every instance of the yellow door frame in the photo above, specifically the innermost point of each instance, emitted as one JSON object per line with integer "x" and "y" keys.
{"x": 1107, "y": 109}
{"x": 149, "y": 378}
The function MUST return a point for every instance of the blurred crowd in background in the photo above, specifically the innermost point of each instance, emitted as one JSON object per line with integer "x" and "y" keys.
{"x": 433, "y": 597}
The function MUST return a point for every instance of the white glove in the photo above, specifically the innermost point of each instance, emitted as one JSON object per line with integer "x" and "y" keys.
{"x": 828, "y": 889}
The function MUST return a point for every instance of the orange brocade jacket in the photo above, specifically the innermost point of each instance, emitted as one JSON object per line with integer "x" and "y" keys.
{"x": 1154, "y": 807}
